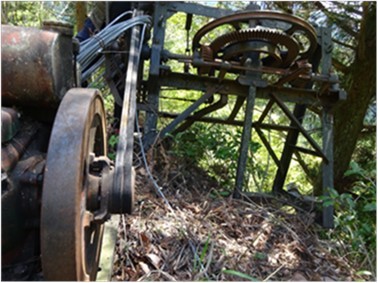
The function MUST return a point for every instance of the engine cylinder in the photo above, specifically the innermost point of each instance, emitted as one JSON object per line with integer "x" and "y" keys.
{"x": 37, "y": 67}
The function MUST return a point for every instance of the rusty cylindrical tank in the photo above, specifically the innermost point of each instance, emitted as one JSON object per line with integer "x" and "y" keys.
{"x": 37, "y": 67}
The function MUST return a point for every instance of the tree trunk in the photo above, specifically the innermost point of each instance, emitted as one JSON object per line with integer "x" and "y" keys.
{"x": 360, "y": 84}
{"x": 81, "y": 14}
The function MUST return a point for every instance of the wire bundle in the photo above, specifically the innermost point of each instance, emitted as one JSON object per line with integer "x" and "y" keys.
{"x": 90, "y": 48}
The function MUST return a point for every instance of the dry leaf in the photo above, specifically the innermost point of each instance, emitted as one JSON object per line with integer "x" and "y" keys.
{"x": 298, "y": 277}
{"x": 154, "y": 260}
{"x": 328, "y": 279}
{"x": 144, "y": 267}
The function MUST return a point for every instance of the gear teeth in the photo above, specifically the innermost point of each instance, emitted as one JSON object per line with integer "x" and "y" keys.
{"x": 208, "y": 56}
{"x": 270, "y": 35}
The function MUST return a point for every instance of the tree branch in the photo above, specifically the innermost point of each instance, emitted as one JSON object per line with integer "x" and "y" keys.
{"x": 368, "y": 129}
{"x": 341, "y": 5}
{"x": 344, "y": 44}
{"x": 346, "y": 28}
{"x": 339, "y": 66}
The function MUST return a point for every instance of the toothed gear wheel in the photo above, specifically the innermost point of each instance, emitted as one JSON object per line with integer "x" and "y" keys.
{"x": 280, "y": 38}
{"x": 288, "y": 46}
{"x": 208, "y": 56}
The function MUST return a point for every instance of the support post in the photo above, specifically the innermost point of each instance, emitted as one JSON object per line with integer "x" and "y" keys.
{"x": 288, "y": 151}
{"x": 327, "y": 129}
{"x": 327, "y": 167}
{"x": 246, "y": 138}
{"x": 160, "y": 18}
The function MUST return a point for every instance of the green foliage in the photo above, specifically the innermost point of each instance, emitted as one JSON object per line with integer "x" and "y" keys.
{"x": 355, "y": 219}
{"x": 201, "y": 260}
{"x": 214, "y": 147}
{"x": 239, "y": 274}
{"x": 33, "y": 13}
{"x": 112, "y": 145}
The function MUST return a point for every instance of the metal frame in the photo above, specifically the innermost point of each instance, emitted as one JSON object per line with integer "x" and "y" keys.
{"x": 160, "y": 76}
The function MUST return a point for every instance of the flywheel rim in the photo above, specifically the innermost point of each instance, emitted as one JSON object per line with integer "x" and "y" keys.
{"x": 70, "y": 240}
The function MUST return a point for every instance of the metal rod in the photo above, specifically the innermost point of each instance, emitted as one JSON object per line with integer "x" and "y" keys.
{"x": 275, "y": 127}
{"x": 246, "y": 138}
{"x": 266, "y": 110}
{"x": 202, "y": 119}
{"x": 299, "y": 125}
{"x": 238, "y": 104}
{"x": 291, "y": 139}
{"x": 327, "y": 167}
{"x": 227, "y": 122}
{"x": 308, "y": 151}
{"x": 268, "y": 147}
{"x": 232, "y": 87}
{"x": 201, "y": 113}
{"x": 159, "y": 25}
{"x": 186, "y": 113}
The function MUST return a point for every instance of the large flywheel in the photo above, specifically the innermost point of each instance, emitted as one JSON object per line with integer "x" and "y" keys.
{"x": 74, "y": 187}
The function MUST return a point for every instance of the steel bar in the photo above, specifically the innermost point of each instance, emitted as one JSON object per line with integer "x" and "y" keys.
{"x": 236, "y": 67}
{"x": 230, "y": 87}
{"x": 291, "y": 139}
{"x": 275, "y": 127}
{"x": 304, "y": 166}
{"x": 226, "y": 121}
{"x": 292, "y": 76}
{"x": 309, "y": 151}
{"x": 266, "y": 111}
{"x": 268, "y": 147}
{"x": 245, "y": 141}
{"x": 197, "y": 9}
{"x": 185, "y": 114}
{"x": 238, "y": 104}
{"x": 159, "y": 24}
{"x": 327, "y": 167}
{"x": 299, "y": 125}
{"x": 327, "y": 131}
{"x": 202, "y": 119}
{"x": 201, "y": 113}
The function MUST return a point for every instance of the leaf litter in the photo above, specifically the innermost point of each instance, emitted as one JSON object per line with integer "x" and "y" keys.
{"x": 223, "y": 239}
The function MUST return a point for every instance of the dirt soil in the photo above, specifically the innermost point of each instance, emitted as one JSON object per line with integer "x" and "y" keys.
{"x": 198, "y": 237}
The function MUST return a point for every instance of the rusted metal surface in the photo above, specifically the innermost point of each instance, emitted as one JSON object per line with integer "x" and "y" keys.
{"x": 259, "y": 35}
{"x": 12, "y": 152}
{"x": 36, "y": 67}
{"x": 70, "y": 236}
{"x": 270, "y": 19}
{"x": 20, "y": 209}
{"x": 9, "y": 123}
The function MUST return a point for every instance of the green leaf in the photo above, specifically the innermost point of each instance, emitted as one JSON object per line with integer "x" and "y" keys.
{"x": 225, "y": 193}
{"x": 239, "y": 274}
{"x": 355, "y": 169}
{"x": 259, "y": 255}
{"x": 328, "y": 202}
{"x": 370, "y": 207}
{"x": 364, "y": 272}
{"x": 204, "y": 250}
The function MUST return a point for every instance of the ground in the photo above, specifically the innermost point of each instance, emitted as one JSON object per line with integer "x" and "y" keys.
{"x": 195, "y": 235}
